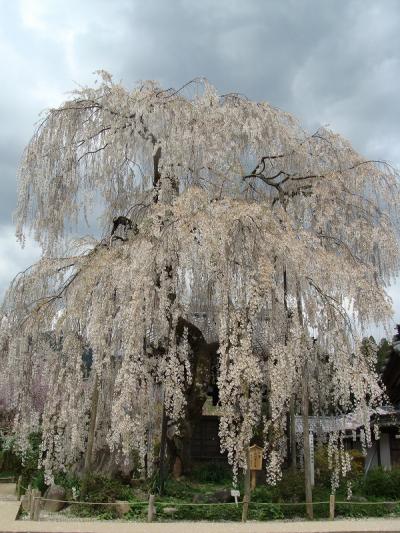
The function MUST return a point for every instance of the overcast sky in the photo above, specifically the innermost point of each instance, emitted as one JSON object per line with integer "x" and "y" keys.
{"x": 330, "y": 62}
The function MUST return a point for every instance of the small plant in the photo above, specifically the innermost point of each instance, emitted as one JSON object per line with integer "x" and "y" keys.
{"x": 215, "y": 472}
{"x": 105, "y": 489}
{"x": 380, "y": 483}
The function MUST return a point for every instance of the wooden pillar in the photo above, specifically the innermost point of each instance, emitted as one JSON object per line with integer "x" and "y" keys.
{"x": 306, "y": 443}
{"x": 253, "y": 482}
{"x": 247, "y": 488}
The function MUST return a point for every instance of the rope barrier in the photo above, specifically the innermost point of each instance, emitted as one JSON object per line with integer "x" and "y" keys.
{"x": 394, "y": 502}
{"x": 216, "y": 504}
{"x": 285, "y": 503}
{"x": 89, "y": 503}
{"x": 166, "y": 504}
{"x": 36, "y": 499}
{"x": 193, "y": 504}
{"x": 181, "y": 504}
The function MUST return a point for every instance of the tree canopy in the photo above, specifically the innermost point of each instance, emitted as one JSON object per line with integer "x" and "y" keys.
{"x": 216, "y": 210}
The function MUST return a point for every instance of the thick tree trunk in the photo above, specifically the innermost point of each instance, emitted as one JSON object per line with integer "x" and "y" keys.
{"x": 291, "y": 418}
{"x": 91, "y": 434}
{"x": 163, "y": 451}
{"x": 292, "y": 432}
{"x": 306, "y": 426}
{"x": 306, "y": 439}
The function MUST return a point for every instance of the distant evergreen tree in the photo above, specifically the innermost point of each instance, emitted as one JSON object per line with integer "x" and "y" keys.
{"x": 383, "y": 353}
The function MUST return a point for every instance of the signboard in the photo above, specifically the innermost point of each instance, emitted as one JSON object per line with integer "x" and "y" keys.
{"x": 256, "y": 453}
{"x": 235, "y": 494}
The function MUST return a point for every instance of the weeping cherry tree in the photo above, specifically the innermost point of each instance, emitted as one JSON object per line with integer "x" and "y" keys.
{"x": 216, "y": 211}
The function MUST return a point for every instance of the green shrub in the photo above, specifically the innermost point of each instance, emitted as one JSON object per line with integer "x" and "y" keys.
{"x": 359, "y": 510}
{"x": 266, "y": 512}
{"x": 10, "y": 463}
{"x": 66, "y": 480}
{"x": 214, "y": 472}
{"x": 382, "y": 484}
{"x": 264, "y": 493}
{"x": 101, "y": 488}
{"x": 137, "y": 512}
{"x": 182, "y": 490}
{"x": 89, "y": 511}
{"x": 37, "y": 481}
{"x": 216, "y": 512}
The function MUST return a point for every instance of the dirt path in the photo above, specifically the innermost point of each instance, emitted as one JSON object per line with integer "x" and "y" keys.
{"x": 9, "y": 525}
{"x": 7, "y": 491}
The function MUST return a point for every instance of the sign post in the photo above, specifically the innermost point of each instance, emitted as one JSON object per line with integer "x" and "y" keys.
{"x": 312, "y": 458}
{"x": 235, "y": 494}
{"x": 256, "y": 453}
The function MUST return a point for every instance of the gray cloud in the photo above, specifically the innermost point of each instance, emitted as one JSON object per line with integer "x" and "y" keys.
{"x": 335, "y": 62}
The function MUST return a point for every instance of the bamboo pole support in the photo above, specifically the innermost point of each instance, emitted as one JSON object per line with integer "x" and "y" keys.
{"x": 332, "y": 507}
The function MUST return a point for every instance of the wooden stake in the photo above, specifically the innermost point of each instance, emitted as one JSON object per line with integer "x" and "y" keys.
{"x": 245, "y": 510}
{"x": 35, "y": 495}
{"x": 247, "y": 489}
{"x": 253, "y": 482}
{"x": 151, "y": 509}
{"x": 332, "y": 507}
{"x": 18, "y": 487}
{"x": 29, "y": 493}
{"x": 36, "y": 508}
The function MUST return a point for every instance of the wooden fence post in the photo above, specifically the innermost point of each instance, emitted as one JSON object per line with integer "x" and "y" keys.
{"x": 151, "y": 509}
{"x": 247, "y": 488}
{"x": 331, "y": 506}
{"x": 245, "y": 510}
{"x": 34, "y": 495}
{"x": 36, "y": 508}
{"x": 29, "y": 493}
{"x": 18, "y": 487}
